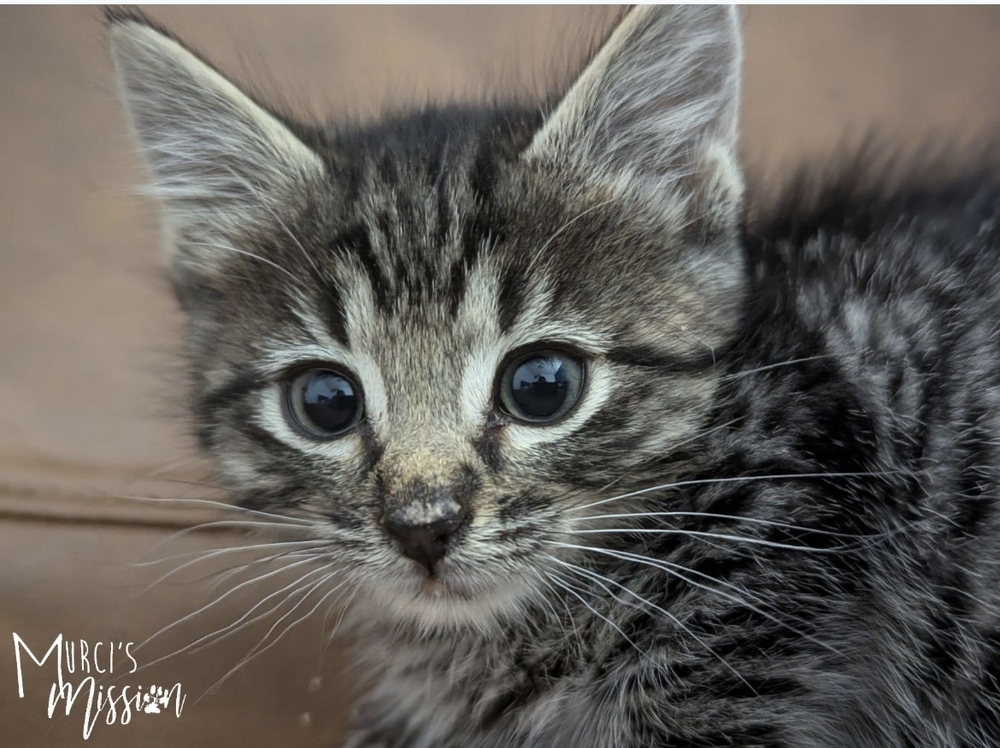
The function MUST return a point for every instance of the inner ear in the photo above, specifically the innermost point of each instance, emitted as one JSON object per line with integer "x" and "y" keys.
{"x": 656, "y": 105}
{"x": 222, "y": 166}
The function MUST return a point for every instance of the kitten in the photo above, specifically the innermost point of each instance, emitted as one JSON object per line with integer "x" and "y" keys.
{"x": 605, "y": 468}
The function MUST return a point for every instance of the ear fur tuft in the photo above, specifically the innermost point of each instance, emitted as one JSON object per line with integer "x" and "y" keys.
{"x": 221, "y": 164}
{"x": 656, "y": 106}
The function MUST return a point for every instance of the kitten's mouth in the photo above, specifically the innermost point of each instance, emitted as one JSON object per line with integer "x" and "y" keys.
{"x": 435, "y": 589}
{"x": 442, "y": 583}
{"x": 451, "y": 598}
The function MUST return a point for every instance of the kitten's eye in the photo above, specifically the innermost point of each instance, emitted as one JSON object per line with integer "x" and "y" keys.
{"x": 322, "y": 403}
{"x": 542, "y": 386}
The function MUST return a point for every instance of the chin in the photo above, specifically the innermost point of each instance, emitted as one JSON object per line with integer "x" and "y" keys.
{"x": 453, "y": 602}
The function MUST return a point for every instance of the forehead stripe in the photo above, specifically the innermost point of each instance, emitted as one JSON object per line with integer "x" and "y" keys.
{"x": 510, "y": 297}
{"x": 358, "y": 242}
{"x": 332, "y": 312}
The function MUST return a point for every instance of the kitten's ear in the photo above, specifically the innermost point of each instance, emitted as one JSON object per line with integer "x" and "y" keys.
{"x": 656, "y": 105}
{"x": 222, "y": 166}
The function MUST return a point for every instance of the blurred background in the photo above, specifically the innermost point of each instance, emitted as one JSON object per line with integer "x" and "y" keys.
{"x": 91, "y": 421}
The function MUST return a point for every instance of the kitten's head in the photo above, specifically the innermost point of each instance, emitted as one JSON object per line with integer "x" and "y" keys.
{"x": 442, "y": 336}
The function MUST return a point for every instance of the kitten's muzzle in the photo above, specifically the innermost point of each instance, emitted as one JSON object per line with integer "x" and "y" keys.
{"x": 425, "y": 503}
{"x": 426, "y": 544}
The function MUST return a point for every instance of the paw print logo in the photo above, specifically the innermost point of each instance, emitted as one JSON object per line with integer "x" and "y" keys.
{"x": 154, "y": 699}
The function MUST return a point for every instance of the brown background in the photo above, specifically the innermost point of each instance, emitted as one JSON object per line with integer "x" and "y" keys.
{"x": 88, "y": 332}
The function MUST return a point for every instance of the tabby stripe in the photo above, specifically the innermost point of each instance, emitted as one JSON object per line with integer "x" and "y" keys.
{"x": 225, "y": 395}
{"x": 648, "y": 357}
{"x": 510, "y": 298}
{"x": 333, "y": 313}
{"x": 357, "y": 241}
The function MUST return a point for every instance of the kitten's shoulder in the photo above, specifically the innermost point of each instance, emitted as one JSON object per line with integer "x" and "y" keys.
{"x": 874, "y": 188}
{"x": 873, "y": 236}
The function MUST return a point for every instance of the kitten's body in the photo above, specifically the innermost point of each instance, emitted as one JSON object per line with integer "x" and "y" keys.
{"x": 773, "y": 517}
{"x": 868, "y": 362}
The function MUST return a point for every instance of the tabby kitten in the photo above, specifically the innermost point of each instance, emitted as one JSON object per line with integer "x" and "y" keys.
{"x": 604, "y": 467}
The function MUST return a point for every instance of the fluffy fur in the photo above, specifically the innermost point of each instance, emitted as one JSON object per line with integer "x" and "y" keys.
{"x": 772, "y": 519}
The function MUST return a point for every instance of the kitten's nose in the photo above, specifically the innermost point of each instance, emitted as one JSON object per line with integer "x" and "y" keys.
{"x": 427, "y": 543}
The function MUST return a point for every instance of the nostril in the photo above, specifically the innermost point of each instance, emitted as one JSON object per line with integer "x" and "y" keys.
{"x": 425, "y": 543}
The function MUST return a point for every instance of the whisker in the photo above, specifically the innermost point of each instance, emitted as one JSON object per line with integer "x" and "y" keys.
{"x": 563, "y": 584}
{"x": 655, "y": 455}
{"x": 232, "y": 591}
{"x": 213, "y": 504}
{"x": 330, "y": 575}
{"x": 658, "y": 454}
{"x": 711, "y": 481}
{"x": 202, "y": 555}
{"x": 340, "y": 618}
{"x": 596, "y": 577}
{"x": 778, "y": 365}
{"x": 713, "y": 535}
{"x": 173, "y": 537}
{"x": 241, "y": 623}
{"x": 221, "y": 575}
{"x": 172, "y": 465}
{"x": 257, "y": 652}
{"x": 245, "y": 253}
{"x": 738, "y": 518}
{"x": 232, "y": 524}
{"x": 678, "y": 571}
{"x": 555, "y": 616}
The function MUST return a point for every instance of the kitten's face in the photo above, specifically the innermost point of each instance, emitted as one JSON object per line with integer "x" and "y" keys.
{"x": 441, "y": 339}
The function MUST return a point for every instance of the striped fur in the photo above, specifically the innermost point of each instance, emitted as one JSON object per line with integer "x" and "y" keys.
{"x": 772, "y": 519}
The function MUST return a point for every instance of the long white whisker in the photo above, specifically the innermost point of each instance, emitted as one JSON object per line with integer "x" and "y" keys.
{"x": 653, "y": 456}
{"x": 201, "y": 556}
{"x": 221, "y": 575}
{"x": 778, "y": 365}
{"x": 658, "y": 454}
{"x": 738, "y": 518}
{"x": 291, "y": 589}
{"x": 233, "y": 524}
{"x": 225, "y": 595}
{"x": 544, "y": 600}
{"x": 710, "y": 481}
{"x": 211, "y": 504}
{"x": 340, "y": 618}
{"x": 257, "y": 651}
{"x": 238, "y": 625}
{"x": 712, "y": 535}
{"x": 184, "y": 533}
{"x": 679, "y": 571}
{"x": 597, "y": 577}
{"x": 235, "y": 250}
{"x": 327, "y": 577}
{"x": 563, "y": 584}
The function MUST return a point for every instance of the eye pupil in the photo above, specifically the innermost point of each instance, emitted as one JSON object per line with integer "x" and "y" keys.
{"x": 541, "y": 387}
{"x": 324, "y": 403}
